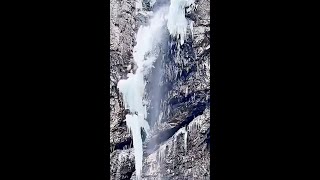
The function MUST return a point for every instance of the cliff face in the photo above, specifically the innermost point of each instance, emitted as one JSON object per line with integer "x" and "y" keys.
{"x": 122, "y": 33}
{"x": 178, "y": 146}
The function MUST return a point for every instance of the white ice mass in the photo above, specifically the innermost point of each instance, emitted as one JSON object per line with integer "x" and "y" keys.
{"x": 177, "y": 22}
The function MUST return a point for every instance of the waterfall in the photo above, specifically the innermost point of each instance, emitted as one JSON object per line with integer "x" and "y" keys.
{"x": 149, "y": 37}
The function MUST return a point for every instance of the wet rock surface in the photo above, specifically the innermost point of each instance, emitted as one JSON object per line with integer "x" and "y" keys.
{"x": 178, "y": 146}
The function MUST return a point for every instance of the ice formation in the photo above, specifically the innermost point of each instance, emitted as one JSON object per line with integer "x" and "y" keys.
{"x": 177, "y": 22}
{"x": 191, "y": 27}
{"x": 161, "y": 152}
{"x": 195, "y": 124}
{"x": 145, "y": 53}
{"x": 173, "y": 142}
{"x": 183, "y": 131}
{"x": 133, "y": 89}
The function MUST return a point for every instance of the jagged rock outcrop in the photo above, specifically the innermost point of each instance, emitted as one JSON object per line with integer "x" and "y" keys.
{"x": 178, "y": 146}
{"x": 122, "y": 162}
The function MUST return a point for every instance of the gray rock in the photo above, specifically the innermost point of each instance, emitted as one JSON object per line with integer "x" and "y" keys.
{"x": 121, "y": 164}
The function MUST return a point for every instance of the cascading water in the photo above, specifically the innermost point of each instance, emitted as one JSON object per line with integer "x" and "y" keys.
{"x": 165, "y": 18}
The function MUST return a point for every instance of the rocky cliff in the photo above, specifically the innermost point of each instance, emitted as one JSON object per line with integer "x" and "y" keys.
{"x": 178, "y": 145}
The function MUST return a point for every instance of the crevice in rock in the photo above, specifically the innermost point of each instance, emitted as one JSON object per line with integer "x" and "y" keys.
{"x": 182, "y": 99}
{"x": 127, "y": 144}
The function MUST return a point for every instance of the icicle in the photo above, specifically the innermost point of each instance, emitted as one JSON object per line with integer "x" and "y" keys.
{"x": 185, "y": 138}
{"x": 186, "y": 92}
{"x": 184, "y": 131}
{"x": 191, "y": 28}
{"x": 193, "y": 97}
{"x": 161, "y": 152}
{"x": 160, "y": 117}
